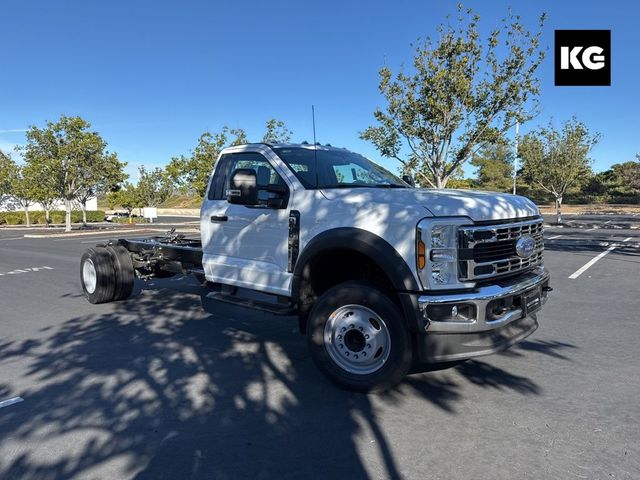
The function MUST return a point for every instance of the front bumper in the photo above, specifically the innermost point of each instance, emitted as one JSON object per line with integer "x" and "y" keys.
{"x": 503, "y": 314}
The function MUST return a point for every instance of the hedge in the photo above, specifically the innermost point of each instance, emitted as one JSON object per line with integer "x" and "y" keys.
{"x": 56, "y": 216}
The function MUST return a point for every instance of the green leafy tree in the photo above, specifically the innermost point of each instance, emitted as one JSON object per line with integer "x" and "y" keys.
{"x": 276, "y": 132}
{"x": 44, "y": 189}
{"x": 7, "y": 167}
{"x": 101, "y": 178}
{"x": 154, "y": 187}
{"x": 494, "y": 167}
{"x": 191, "y": 174}
{"x": 72, "y": 154}
{"x": 628, "y": 173}
{"x": 23, "y": 190}
{"x": 557, "y": 159}
{"x": 462, "y": 93}
{"x": 126, "y": 197}
{"x": 600, "y": 184}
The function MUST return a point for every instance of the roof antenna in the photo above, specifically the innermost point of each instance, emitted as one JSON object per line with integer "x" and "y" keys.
{"x": 315, "y": 145}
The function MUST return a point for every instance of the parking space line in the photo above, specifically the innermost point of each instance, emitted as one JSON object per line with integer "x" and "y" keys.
{"x": 591, "y": 262}
{"x": 592, "y": 229}
{"x": 11, "y": 401}
{"x": 11, "y": 238}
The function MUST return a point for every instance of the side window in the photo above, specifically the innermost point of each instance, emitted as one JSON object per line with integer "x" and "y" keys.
{"x": 265, "y": 173}
{"x": 217, "y": 189}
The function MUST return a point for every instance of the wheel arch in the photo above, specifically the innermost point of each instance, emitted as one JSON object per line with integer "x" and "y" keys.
{"x": 359, "y": 245}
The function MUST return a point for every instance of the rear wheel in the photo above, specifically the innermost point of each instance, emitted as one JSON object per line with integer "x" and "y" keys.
{"x": 97, "y": 275}
{"x": 359, "y": 338}
{"x": 124, "y": 272}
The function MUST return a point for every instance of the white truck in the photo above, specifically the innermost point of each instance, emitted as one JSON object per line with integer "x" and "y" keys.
{"x": 384, "y": 278}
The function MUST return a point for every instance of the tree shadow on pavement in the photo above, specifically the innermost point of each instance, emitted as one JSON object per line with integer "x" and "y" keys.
{"x": 173, "y": 392}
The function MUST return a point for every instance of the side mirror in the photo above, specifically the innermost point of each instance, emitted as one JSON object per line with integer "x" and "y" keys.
{"x": 243, "y": 187}
{"x": 409, "y": 179}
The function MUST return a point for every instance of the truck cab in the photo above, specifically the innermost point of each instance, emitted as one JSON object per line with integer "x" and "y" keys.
{"x": 383, "y": 277}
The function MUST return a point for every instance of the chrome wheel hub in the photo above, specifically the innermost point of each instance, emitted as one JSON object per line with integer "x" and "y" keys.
{"x": 89, "y": 276}
{"x": 357, "y": 339}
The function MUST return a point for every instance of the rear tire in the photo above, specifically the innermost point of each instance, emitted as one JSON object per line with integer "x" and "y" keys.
{"x": 124, "y": 272}
{"x": 359, "y": 338}
{"x": 97, "y": 275}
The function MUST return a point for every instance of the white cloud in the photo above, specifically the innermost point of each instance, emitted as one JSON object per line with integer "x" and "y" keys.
{"x": 12, "y": 130}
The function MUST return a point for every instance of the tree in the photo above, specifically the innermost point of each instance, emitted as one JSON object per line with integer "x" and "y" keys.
{"x": 494, "y": 163}
{"x": 154, "y": 187}
{"x": 23, "y": 190}
{"x": 7, "y": 167}
{"x": 461, "y": 94}
{"x": 126, "y": 197}
{"x": 276, "y": 132}
{"x": 557, "y": 159}
{"x": 628, "y": 173}
{"x": 71, "y": 154}
{"x": 44, "y": 188}
{"x": 100, "y": 178}
{"x": 191, "y": 174}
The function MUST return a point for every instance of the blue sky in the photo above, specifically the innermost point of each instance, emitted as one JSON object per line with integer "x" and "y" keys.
{"x": 152, "y": 75}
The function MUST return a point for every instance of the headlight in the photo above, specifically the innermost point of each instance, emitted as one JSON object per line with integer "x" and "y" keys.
{"x": 437, "y": 241}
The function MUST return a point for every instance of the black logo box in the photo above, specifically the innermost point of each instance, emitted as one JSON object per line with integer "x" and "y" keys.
{"x": 585, "y": 76}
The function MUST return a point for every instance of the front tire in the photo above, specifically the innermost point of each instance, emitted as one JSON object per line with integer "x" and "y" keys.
{"x": 359, "y": 338}
{"x": 97, "y": 275}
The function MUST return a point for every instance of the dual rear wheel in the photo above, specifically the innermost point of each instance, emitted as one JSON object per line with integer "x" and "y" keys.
{"x": 106, "y": 274}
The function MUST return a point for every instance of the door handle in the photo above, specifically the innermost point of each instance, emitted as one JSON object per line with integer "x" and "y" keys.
{"x": 219, "y": 218}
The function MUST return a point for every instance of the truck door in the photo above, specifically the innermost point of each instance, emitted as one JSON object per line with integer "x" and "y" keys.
{"x": 243, "y": 245}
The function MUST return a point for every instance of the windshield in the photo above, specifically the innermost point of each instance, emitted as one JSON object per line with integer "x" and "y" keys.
{"x": 336, "y": 169}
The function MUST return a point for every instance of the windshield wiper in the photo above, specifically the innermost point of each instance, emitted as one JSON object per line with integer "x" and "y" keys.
{"x": 388, "y": 185}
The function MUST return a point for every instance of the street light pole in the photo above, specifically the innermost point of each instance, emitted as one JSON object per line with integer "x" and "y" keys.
{"x": 515, "y": 159}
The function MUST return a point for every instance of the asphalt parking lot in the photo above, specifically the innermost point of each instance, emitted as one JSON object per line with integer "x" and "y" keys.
{"x": 154, "y": 387}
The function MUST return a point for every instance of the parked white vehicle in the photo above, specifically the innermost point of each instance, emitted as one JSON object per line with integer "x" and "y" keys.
{"x": 383, "y": 277}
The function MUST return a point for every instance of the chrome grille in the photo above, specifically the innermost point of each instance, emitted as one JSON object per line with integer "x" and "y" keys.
{"x": 490, "y": 250}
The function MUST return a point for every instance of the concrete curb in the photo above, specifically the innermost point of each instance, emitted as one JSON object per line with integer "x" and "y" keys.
{"x": 119, "y": 233}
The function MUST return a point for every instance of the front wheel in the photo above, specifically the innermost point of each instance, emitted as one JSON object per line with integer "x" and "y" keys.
{"x": 358, "y": 337}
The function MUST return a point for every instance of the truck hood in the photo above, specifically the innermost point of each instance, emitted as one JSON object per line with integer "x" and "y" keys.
{"x": 477, "y": 205}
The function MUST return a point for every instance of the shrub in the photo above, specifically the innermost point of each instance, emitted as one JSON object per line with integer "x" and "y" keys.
{"x": 56, "y": 216}
{"x": 13, "y": 218}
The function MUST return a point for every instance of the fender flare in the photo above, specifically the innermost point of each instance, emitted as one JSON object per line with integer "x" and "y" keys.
{"x": 362, "y": 241}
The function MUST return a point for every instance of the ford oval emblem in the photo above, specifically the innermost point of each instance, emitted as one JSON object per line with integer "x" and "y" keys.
{"x": 525, "y": 246}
